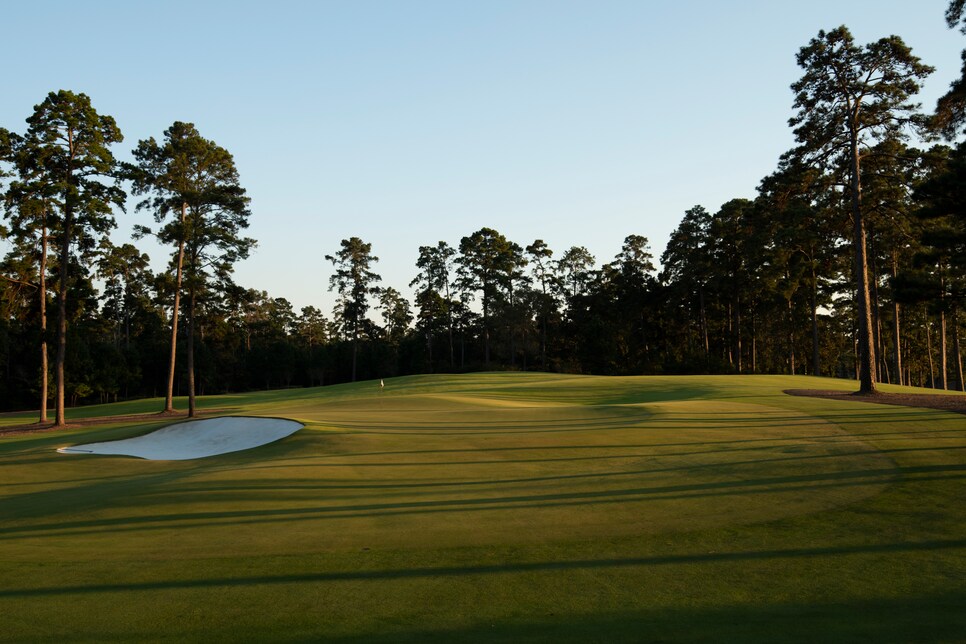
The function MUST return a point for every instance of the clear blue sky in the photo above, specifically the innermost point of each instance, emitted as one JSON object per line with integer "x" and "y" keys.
{"x": 405, "y": 123}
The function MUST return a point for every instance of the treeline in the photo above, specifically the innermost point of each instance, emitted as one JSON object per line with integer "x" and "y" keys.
{"x": 849, "y": 262}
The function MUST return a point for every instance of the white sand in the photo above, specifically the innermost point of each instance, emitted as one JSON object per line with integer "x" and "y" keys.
{"x": 196, "y": 439}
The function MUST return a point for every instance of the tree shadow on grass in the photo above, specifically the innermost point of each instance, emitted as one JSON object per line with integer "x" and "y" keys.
{"x": 489, "y": 422}
{"x": 932, "y": 618}
{"x": 754, "y": 444}
{"x": 346, "y": 459}
{"x": 784, "y": 484}
{"x": 274, "y": 486}
{"x": 493, "y": 569}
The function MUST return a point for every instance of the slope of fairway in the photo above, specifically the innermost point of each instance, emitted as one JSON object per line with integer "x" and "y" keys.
{"x": 503, "y": 507}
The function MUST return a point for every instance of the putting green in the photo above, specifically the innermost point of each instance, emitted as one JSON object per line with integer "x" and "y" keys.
{"x": 503, "y": 506}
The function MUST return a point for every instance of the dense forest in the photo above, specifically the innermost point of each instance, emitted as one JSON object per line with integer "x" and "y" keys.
{"x": 850, "y": 262}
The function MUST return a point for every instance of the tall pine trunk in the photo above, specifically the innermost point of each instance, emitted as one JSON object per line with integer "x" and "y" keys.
{"x": 814, "y": 303}
{"x": 897, "y": 349}
{"x": 943, "y": 352}
{"x": 543, "y": 340}
{"x": 880, "y": 366}
{"x": 932, "y": 366}
{"x": 866, "y": 346}
{"x": 169, "y": 397}
{"x": 449, "y": 320}
{"x": 959, "y": 355}
{"x": 59, "y": 417}
{"x": 896, "y": 329}
{"x": 355, "y": 347}
{"x": 486, "y": 331}
{"x": 704, "y": 325}
{"x": 43, "y": 320}
{"x": 754, "y": 343}
{"x": 730, "y": 337}
{"x": 452, "y": 353}
{"x": 738, "y": 348}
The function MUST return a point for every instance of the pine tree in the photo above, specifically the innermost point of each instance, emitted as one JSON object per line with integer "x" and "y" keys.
{"x": 67, "y": 151}
{"x": 488, "y": 262}
{"x": 849, "y": 98}
{"x": 193, "y": 188}
{"x": 355, "y": 282}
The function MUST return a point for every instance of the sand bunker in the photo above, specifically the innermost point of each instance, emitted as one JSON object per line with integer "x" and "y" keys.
{"x": 196, "y": 439}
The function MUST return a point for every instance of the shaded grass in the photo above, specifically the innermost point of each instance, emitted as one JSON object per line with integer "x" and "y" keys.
{"x": 503, "y": 507}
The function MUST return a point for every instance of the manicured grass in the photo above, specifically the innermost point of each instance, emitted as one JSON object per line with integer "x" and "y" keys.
{"x": 502, "y": 507}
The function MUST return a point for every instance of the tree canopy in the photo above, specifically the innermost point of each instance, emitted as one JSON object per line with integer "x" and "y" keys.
{"x": 849, "y": 260}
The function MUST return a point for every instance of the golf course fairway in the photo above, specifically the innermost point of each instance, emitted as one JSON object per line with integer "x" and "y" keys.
{"x": 506, "y": 507}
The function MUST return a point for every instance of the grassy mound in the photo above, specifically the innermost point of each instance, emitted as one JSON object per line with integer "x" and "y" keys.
{"x": 507, "y": 507}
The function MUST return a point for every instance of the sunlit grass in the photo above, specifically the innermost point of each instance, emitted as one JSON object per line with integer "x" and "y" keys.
{"x": 507, "y": 507}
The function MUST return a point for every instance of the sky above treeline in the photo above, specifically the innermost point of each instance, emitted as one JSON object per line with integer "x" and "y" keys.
{"x": 406, "y": 123}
